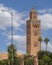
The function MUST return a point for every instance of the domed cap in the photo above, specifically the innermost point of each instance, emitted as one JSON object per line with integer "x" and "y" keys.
{"x": 33, "y": 10}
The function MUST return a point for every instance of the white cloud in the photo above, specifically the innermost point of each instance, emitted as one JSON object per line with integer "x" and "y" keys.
{"x": 46, "y": 21}
{"x": 43, "y": 11}
{"x": 20, "y": 41}
{"x": 20, "y": 18}
{"x": 18, "y": 38}
{"x": 2, "y": 27}
{"x": 49, "y": 47}
{"x": 5, "y": 18}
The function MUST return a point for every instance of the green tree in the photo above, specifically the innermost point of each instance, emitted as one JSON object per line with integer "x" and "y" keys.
{"x": 0, "y": 62}
{"x": 46, "y": 40}
{"x": 40, "y": 40}
{"x": 28, "y": 60}
{"x": 45, "y": 58}
{"x": 4, "y": 62}
{"x": 18, "y": 60}
{"x": 12, "y": 56}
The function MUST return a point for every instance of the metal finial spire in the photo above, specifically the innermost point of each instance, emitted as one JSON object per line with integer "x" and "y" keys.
{"x": 33, "y": 7}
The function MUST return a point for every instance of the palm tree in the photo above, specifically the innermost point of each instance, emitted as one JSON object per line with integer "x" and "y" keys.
{"x": 40, "y": 40}
{"x": 46, "y": 40}
{"x": 12, "y": 58}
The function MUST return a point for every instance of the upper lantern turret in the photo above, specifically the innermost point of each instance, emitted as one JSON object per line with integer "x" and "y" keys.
{"x": 33, "y": 14}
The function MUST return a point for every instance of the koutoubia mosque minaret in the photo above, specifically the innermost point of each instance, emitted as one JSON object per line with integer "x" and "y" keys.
{"x": 33, "y": 33}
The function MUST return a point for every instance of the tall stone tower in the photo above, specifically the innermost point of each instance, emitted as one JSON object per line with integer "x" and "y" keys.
{"x": 32, "y": 34}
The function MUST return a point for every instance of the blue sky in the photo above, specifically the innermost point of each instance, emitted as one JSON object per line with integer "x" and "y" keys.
{"x": 25, "y": 5}
{"x": 21, "y": 9}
